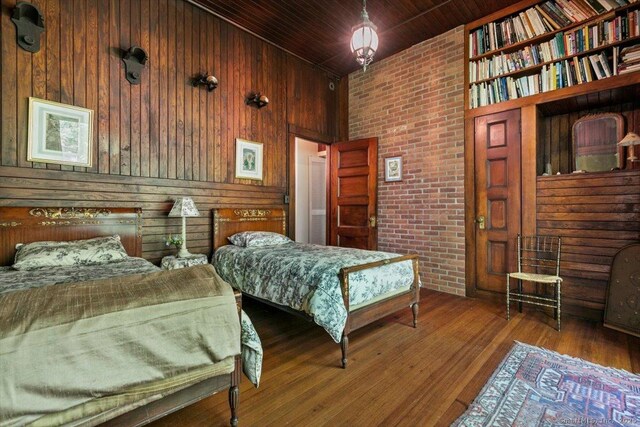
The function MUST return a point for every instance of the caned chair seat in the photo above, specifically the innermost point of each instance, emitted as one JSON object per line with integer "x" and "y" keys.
{"x": 533, "y": 277}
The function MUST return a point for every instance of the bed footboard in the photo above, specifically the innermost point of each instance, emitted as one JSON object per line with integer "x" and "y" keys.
{"x": 368, "y": 314}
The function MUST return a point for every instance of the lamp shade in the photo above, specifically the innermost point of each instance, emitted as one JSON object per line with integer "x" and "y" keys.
{"x": 184, "y": 207}
{"x": 631, "y": 139}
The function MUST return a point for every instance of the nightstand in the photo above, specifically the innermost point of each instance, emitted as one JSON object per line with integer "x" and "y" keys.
{"x": 172, "y": 262}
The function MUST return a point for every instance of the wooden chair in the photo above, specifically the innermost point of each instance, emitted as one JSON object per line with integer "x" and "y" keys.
{"x": 538, "y": 262}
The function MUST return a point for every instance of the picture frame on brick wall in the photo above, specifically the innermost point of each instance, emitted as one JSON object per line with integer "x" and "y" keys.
{"x": 393, "y": 169}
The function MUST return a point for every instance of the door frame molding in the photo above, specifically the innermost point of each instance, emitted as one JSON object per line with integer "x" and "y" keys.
{"x": 529, "y": 117}
{"x": 294, "y": 132}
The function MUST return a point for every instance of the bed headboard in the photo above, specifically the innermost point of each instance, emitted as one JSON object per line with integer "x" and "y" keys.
{"x": 229, "y": 221}
{"x": 25, "y": 225}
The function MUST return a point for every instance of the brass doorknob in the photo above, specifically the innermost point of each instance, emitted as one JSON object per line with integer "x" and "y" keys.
{"x": 372, "y": 221}
{"x": 480, "y": 221}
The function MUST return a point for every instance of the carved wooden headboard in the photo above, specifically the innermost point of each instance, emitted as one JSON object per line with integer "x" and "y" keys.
{"x": 25, "y": 225}
{"x": 228, "y": 221}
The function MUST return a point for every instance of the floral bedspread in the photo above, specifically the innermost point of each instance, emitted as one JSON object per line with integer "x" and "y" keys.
{"x": 305, "y": 277}
{"x": 13, "y": 280}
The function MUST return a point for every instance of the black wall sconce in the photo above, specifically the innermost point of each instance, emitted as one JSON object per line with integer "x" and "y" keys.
{"x": 29, "y": 26}
{"x": 256, "y": 100}
{"x": 134, "y": 60}
{"x": 206, "y": 79}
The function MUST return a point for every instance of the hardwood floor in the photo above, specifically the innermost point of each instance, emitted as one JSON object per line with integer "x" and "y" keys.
{"x": 397, "y": 375}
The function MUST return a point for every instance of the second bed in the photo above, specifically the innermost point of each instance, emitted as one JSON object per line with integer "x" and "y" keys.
{"x": 340, "y": 289}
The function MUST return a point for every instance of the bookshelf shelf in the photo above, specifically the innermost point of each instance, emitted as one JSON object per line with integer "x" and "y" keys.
{"x": 543, "y": 37}
{"x": 549, "y": 35}
{"x": 625, "y": 87}
{"x": 538, "y": 67}
{"x": 511, "y": 72}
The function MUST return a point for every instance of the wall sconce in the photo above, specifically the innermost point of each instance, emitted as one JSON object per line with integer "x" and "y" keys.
{"x": 208, "y": 80}
{"x": 29, "y": 26}
{"x": 256, "y": 100}
{"x": 134, "y": 60}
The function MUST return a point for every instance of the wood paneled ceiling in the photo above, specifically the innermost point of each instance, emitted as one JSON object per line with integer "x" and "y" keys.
{"x": 320, "y": 30}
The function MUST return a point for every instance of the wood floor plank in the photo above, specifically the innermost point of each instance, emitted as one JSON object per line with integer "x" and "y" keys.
{"x": 397, "y": 375}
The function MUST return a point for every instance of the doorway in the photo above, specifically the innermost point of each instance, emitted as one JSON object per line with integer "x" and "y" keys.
{"x": 310, "y": 192}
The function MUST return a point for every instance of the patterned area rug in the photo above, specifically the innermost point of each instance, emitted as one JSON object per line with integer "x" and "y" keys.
{"x": 537, "y": 387}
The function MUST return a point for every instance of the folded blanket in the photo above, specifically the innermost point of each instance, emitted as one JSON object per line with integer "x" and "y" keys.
{"x": 67, "y": 345}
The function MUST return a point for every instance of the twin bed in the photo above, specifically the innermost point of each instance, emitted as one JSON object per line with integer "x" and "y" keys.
{"x": 177, "y": 332}
{"x": 118, "y": 342}
{"x": 340, "y": 289}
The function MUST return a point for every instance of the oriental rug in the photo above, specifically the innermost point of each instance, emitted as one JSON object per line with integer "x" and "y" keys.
{"x": 538, "y": 387}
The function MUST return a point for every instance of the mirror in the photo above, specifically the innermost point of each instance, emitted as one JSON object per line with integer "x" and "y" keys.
{"x": 595, "y": 139}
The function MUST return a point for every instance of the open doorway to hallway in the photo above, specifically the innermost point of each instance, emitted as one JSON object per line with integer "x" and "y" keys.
{"x": 310, "y": 192}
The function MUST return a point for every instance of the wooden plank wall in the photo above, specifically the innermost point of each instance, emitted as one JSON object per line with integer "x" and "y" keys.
{"x": 162, "y": 138}
{"x": 555, "y": 138}
{"x": 596, "y": 214}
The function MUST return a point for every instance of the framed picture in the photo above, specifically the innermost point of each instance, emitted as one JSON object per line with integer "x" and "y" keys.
{"x": 248, "y": 159}
{"x": 393, "y": 169}
{"x": 59, "y": 133}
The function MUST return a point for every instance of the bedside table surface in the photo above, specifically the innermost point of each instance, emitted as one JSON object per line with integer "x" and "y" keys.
{"x": 172, "y": 262}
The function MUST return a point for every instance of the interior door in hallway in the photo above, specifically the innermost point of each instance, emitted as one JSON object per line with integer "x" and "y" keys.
{"x": 354, "y": 186}
{"x": 498, "y": 197}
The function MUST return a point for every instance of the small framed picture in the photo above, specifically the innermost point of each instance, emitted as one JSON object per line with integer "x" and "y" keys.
{"x": 59, "y": 133}
{"x": 393, "y": 169}
{"x": 248, "y": 159}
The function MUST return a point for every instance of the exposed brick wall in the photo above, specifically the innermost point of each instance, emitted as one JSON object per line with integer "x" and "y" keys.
{"x": 413, "y": 102}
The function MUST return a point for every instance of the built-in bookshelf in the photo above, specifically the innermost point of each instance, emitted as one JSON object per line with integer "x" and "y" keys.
{"x": 552, "y": 45}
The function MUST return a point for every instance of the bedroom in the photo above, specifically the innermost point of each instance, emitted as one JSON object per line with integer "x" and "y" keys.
{"x": 163, "y": 138}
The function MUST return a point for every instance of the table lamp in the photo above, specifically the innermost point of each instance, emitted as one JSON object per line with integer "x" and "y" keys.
{"x": 630, "y": 141}
{"x": 184, "y": 207}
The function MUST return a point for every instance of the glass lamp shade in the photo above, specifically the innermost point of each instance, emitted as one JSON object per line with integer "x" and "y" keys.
{"x": 184, "y": 207}
{"x": 364, "y": 41}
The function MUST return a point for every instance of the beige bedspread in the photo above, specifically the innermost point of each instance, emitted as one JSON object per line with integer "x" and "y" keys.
{"x": 83, "y": 345}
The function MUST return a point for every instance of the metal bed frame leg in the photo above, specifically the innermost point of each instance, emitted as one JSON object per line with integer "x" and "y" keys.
{"x": 508, "y": 317}
{"x": 414, "y": 310}
{"x": 344, "y": 344}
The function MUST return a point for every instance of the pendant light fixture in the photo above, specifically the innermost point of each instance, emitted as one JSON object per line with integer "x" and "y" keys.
{"x": 364, "y": 41}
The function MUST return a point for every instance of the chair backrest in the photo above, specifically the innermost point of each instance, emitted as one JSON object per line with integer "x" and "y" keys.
{"x": 539, "y": 254}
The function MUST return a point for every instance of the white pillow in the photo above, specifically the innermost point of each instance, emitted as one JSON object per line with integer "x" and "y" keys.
{"x": 248, "y": 239}
{"x": 100, "y": 250}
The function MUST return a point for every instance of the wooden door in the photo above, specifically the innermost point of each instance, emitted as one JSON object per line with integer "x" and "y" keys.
{"x": 354, "y": 186}
{"x": 498, "y": 204}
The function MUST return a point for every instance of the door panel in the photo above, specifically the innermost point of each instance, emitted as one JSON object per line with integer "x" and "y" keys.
{"x": 354, "y": 185}
{"x": 498, "y": 185}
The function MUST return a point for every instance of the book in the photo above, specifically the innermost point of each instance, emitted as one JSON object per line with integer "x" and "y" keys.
{"x": 596, "y": 6}
{"x": 583, "y": 7}
{"x": 556, "y": 25}
{"x": 630, "y": 69}
{"x": 595, "y": 63}
{"x": 556, "y": 12}
{"x": 604, "y": 62}
{"x": 530, "y": 32}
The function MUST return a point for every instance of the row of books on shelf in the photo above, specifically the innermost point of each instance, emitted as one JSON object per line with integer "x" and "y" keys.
{"x": 556, "y": 75}
{"x": 537, "y": 20}
{"x": 563, "y": 44}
